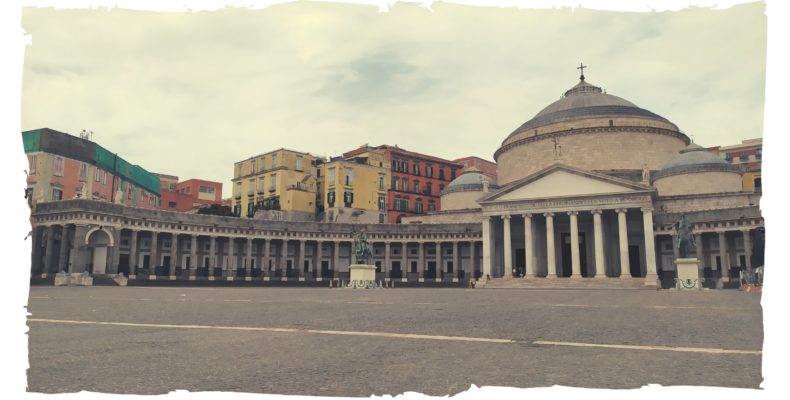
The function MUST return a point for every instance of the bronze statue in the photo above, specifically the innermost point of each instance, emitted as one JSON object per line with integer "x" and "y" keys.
{"x": 686, "y": 245}
{"x": 361, "y": 249}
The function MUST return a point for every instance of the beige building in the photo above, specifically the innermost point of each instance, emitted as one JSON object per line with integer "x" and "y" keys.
{"x": 280, "y": 180}
{"x": 748, "y": 157}
{"x": 354, "y": 188}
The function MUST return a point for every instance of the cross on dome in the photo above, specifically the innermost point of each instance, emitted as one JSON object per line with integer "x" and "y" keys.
{"x": 581, "y": 67}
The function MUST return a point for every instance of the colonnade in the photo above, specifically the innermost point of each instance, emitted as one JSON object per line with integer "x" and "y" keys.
{"x": 550, "y": 253}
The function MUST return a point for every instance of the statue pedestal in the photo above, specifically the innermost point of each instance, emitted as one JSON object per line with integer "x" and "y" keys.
{"x": 362, "y": 276}
{"x": 688, "y": 274}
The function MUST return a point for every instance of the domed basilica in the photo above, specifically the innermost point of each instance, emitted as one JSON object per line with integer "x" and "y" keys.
{"x": 589, "y": 188}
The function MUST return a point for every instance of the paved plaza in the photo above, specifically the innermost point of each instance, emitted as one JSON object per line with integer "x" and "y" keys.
{"x": 338, "y": 342}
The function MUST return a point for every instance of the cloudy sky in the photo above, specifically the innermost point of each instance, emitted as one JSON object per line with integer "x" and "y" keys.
{"x": 190, "y": 93}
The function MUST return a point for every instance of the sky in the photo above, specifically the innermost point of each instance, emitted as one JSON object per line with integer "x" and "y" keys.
{"x": 190, "y": 93}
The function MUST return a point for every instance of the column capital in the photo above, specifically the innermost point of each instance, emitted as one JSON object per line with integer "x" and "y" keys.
{"x": 548, "y": 214}
{"x": 596, "y": 211}
{"x": 746, "y": 230}
{"x": 621, "y": 210}
{"x": 572, "y": 213}
{"x": 526, "y": 215}
{"x": 506, "y": 216}
{"x": 647, "y": 209}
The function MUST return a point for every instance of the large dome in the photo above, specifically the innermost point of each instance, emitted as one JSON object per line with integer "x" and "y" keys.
{"x": 591, "y": 130}
{"x": 583, "y": 101}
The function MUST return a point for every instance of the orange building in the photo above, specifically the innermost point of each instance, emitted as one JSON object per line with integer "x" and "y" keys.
{"x": 191, "y": 193}
{"x": 484, "y": 166}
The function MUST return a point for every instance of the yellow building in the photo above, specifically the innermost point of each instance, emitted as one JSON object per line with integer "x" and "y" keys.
{"x": 748, "y": 156}
{"x": 282, "y": 179}
{"x": 354, "y": 187}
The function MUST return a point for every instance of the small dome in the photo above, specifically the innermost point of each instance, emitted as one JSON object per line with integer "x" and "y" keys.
{"x": 470, "y": 180}
{"x": 694, "y": 158}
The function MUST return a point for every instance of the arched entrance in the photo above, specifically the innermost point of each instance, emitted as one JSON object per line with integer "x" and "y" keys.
{"x": 98, "y": 241}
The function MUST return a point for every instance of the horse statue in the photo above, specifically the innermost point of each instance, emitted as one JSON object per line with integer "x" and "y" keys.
{"x": 686, "y": 245}
{"x": 361, "y": 247}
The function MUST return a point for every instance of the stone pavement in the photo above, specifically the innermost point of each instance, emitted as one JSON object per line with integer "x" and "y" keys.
{"x": 340, "y": 342}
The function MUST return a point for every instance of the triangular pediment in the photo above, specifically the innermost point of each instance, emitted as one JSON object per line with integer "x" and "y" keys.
{"x": 560, "y": 181}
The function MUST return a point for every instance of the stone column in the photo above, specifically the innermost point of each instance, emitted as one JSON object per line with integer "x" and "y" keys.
{"x": 699, "y": 250}
{"x": 675, "y": 250}
{"x": 173, "y": 254}
{"x": 456, "y": 259}
{"x": 529, "y": 267}
{"x": 439, "y": 265}
{"x": 212, "y": 255}
{"x": 600, "y": 264}
{"x": 576, "y": 271}
{"x": 486, "y": 247}
{"x": 48, "y": 249}
{"x": 248, "y": 262}
{"x": 404, "y": 257}
{"x": 64, "y": 246}
{"x": 550, "y": 256}
{"x": 193, "y": 261}
{"x": 35, "y": 250}
{"x": 421, "y": 260}
{"x": 747, "y": 249}
{"x": 336, "y": 258}
{"x": 625, "y": 269}
{"x": 651, "y": 276}
{"x": 725, "y": 261}
{"x": 471, "y": 259}
{"x": 301, "y": 259}
{"x": 154, "y": 253}
{"x": 115, "y": 252}
{"x": 230, "y": 268}
{"x": 284, "y": 258}
{"x": 319, "y": 249}
{"x": 507, "y": 268}
{"x": 265, "y": 269}
{"x": 386, "y": 267}
{"x": 132, "y": 252}
{"x": 77, "y": 259}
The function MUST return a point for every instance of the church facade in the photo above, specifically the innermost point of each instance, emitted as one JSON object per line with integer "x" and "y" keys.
{"x": 587, "y": 189}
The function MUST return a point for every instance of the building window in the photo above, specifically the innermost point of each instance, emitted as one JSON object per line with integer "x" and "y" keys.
{"x": 416, "y": 168}
{"x": 237, "y": 172}
{"x": 395, "y": 183}
{"x": 96, "y": 174}
{"x": 348, "y": 198}
{"x": 728, "y": 156}
{"x": 251, "y": 187}
{"x": 238, "y": 188}
{"x": 452, "y": 174}
{"x": 431, "y": 206}
{"x": 418, "y": 206}
{"x": 404, "y": 184}
{"x": 274, "y": 160}
{"x": 330, "y": 199}
{"x": 441, "y": 187}
{"x": 206, "y": 189}
{"x": 416, "y": 186}
{"x": 395, "y": 165}
{"x": 349, "y": 177}
{"x": 382, "y": 203}
{"x": 83, "y": 171}
{"x": 429, "y": 170}
{"x": 381, "y": 218}
{"x": 252, "y": 167}
{"x": 171, "y": 204}
{"x": 441, "y": 173}
{"x": 250, "y": 209}
{"x": 57, "y": 194}
{"x": 429, "y": 188}
{"x": 103, "y": 177}
{"x": 758, "y": 184}
{"x": 299, "y": 164}
{"x": 331, "y": 176}
{"x": 261, "y": 186}
{"x": 381, "y": 183}
{"x": 758, "y": 154}
{"x": 744, "y": 156}
{"x": 33, "y": 162}
{"x": 272, "y": 183}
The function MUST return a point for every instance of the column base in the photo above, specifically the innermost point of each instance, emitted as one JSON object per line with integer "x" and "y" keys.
{"x": 248, "y": 278}
{"x": 266, "y": 279}
{"x": 192, "y": 277}
{"x": 551, "y": 276}
{"x": 652, "y": 280}
{"x": 211, "y": 277}
{"x": 576, "y": 277}
{"x": 601, "y": 276}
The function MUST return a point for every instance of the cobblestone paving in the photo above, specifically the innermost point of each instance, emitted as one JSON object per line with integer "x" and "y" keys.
{"x": 165, "y": 356}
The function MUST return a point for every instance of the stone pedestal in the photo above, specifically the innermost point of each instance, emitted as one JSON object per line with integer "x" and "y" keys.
{"x": 362, "y": 276}
{"x": 688, "y": 274}
{"x": 74, "y": 279}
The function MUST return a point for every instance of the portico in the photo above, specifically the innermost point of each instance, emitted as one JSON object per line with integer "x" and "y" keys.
{"x": 569, "y": 223}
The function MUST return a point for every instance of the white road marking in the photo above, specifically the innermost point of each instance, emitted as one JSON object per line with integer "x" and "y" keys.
{"x": 406, "y": 336}
{"x": 39, "y": 297}
{"x": 659, "y": 348}
{"x": 244, "y": 300}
